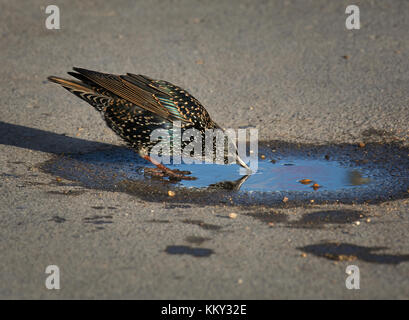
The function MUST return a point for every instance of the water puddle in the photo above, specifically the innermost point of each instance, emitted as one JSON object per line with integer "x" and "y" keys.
{"x": 196, "y": 252}
{"x": 291, "y": 174}
{"x": 323, "y": 173}
{"x": 351, "y": 252}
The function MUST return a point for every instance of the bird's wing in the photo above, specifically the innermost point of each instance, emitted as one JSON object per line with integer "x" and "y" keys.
{"x": 138, "y": 89}
{"x": 180, "y": 103}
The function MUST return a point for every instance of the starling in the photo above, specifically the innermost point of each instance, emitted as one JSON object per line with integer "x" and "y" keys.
{"x": 133, "y": 106}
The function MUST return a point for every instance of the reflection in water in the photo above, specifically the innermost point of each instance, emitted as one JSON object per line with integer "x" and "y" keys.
{"x": 110, "y": 168}
{"x": 355, "y": 178}
{"x": 279, "y": 176}
{"x": 230, "y": 185}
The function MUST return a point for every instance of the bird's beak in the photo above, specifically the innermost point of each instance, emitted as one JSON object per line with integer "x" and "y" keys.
{"x": 239, "y": 161}
{"x": 243, "y": 164}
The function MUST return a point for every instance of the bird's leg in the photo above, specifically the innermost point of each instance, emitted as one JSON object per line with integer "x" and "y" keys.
{"x": 164, "y": 171}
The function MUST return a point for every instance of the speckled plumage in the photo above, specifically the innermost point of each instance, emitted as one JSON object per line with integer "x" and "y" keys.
{"x": 135, "y": 105}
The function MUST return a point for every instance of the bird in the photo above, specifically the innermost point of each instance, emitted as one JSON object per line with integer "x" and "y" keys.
{"x": 134, "y": 105}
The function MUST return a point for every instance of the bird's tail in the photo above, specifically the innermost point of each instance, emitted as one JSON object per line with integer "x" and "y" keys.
{"x": 70, "y": 84}
{"x": 84, "y": 91}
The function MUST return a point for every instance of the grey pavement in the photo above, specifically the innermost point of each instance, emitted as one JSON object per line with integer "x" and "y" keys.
{"x": 289, "y": 68}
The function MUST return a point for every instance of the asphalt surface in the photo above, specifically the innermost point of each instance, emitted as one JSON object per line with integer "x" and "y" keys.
{"x": 289, "y": 68}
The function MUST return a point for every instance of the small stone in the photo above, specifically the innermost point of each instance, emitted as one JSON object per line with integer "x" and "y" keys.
{"x": 357, "y": 223}
{"x": 285, "y": 199}
{"x": 199, "y": 61}
{"x": 305, "y": 181}
{"x": 346, "y": 57}
{"x": 58, "y": 179}
{"x": 273, "y": 161}
{"x": 361, "y": 145}
{"x": 368, "y": 220}
{"x": 303, "y": 255}
{"x": 232, "y": 215}
{"x": 271, "y": 224}
{"x": 312, "y": 201}
{"x": 262, "y": 156}
{"x": 315, "y": 186}
{"x": 240, "y": 281}
{"x": 326, "y": 157}
{"x": 171, "y": 193}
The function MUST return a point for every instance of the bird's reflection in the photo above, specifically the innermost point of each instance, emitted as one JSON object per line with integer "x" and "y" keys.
{"x": 229, "y": 185}
{"x": 355, "y": 178}
{"x": 233, "y": 185}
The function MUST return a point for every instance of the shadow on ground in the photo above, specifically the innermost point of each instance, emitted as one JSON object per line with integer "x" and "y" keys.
{"x": 45, "y": 141}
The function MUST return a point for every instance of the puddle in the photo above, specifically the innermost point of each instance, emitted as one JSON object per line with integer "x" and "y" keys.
{"x": 196, "y": 252}
{"x": 344, "y": 173}
{"x": 351, "y": 252}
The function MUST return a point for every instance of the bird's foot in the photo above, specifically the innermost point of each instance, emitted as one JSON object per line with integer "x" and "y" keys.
{"x": 163, "y": 171}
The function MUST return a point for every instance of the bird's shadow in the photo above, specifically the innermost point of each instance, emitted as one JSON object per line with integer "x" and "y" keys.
{"x": 45, "y": 141}
{"x": 53, "y": 143}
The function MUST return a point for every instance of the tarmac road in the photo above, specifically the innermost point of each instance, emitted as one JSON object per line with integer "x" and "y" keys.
{"x": 289, "y": 68}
